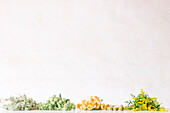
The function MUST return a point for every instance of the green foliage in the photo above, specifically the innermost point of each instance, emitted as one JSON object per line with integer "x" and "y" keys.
{"x": 143, "y": 102}
{"x": 20, "y": 103}
{"x": 57, "y": 103}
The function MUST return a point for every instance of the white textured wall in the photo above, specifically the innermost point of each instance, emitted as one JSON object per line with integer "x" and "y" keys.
{"x": 109, "y": 48}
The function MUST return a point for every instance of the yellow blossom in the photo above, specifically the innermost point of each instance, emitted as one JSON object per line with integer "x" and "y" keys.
{"x": 92, "y": 99}
{"x": 96, "y": 97}
{"x": 162, "y": 109}
{"x": 79, "y": 105}
{"x": 97, "y": 104}
{"x": 142, "y": 92}
{"x": 134, "y": 98}
{"x": 84, "y": 102}
{"x": 88, "y": 102}
{"x": 91, "y": 104}
{"x": 83, "y": 108}
{"x": 103, "y": 106}
{"x": 89, "y": 107}
{"x": 98, "y": 100}
{"x": 107, "y": 106}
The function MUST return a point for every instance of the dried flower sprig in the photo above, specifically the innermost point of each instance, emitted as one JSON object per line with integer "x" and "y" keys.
{"x": 19, "y": 103}
{"x": 57, "y": 103}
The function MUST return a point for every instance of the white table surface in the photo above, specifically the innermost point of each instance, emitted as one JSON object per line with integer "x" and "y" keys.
{"x": 79, "y": 111}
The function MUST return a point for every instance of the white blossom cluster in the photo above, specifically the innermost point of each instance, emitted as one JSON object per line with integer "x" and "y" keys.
{"x": 57, "y": 103}
{"x": 20, "y": 103}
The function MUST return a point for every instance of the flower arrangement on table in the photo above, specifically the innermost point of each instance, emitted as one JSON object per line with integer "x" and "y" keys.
{"x": 19, "y": 103}
{"x": 140, "y": 103}
{"x": 143, "y": 102}
{"x": 96, "y": 104}
{"x": 57, "y": 103}
{"x": 22, "y": 103}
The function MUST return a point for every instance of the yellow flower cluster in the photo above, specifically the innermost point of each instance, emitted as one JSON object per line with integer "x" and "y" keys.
{"x": 144, "y": 102}
{"x": 93, "y": 104}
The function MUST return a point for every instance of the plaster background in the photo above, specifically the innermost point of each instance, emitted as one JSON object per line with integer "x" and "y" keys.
{"x": 108, "y": 48}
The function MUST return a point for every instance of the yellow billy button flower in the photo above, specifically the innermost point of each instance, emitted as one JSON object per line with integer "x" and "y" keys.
{"x": 116, "y": 108}
{"x": 150, "y": 107}
{"x": 109, "y": 108}
{"x": 144, "y": 107}
{"x": 142, "y": 92}
{"x": 134, "y": 98}
{"x": 162, "y": 109}
{"x": 135, "y": 109}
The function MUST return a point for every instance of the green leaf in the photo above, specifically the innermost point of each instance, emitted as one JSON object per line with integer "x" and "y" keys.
{"x": 132, "y": 95}
{"x": 126, "y": 102}
{"x": 60, "y": 95}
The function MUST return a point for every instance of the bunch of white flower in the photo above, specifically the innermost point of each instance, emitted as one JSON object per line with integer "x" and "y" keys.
{"x": 20, "y": 103}
{"x": 57, "y": 103}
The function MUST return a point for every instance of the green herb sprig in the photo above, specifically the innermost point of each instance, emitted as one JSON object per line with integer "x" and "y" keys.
{"x": 57, "y": 103}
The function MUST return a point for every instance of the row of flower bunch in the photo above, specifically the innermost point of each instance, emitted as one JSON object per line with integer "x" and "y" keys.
{"x": 144, "y": 103}
{"x": 22, "y": 103}
{"x": 95, "y": 103}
